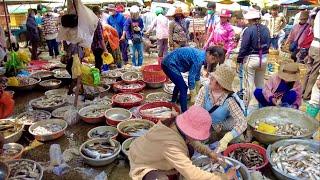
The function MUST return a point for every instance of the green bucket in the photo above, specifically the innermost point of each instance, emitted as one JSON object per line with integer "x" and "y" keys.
{"x": 312, "y": 110}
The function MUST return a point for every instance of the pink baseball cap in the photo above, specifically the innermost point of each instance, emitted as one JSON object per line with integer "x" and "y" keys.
{"x": 195, "y": 123}
{"x": 225, "y": 13}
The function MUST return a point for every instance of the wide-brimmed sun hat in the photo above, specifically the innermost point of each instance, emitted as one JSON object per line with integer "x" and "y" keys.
{"x": 224, "y": 75}
{"x": 225, "y": 13}
{"x": 252, "y": 14}
{"x": 177, "y": 11}
{"x": 195, "y": 123}
{"x": 119, "y": 8}
{"x": 289, "y": 72}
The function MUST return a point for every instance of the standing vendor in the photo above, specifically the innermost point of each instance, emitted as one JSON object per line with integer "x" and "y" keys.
{"x": 224, "y": 106}
{"x": 190, "y": 60}
{"x": 282, "y": 89}
{"x": 166, "y": 147}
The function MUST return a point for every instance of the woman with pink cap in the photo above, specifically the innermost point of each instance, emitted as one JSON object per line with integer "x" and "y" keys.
{"x": 168, "y": 146}
{"x": 222, "y": 33}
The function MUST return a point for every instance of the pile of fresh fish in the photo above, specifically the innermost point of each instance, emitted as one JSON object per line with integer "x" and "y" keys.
{"x": 50, "y": 83}
{"x": 286, "y": 129}
{"x": 136, "y": 129}
{"x": 128, "y": 86}
{"x": 127, "y": 98}
{"x": 100, "y": 150}
{"x": 112, "y": 74}
{"x": 94, "y": 112}
{"x": 108, "y": 81}
{"x": 248, "y": 156}
{"x": 154, "y": 97}
{"x": 211, "y": 167}
{"x": 131, "y": 77}
{"x": 93, "y": 90}
{"x": 24, "y": 170}
{"x": 47, "y": 129}
{"x": 47, "y": 102}
{"x": 61, "y": 73}
{"x": 59, "y": 113}
{"x": 25, "y": 81}
{"x": 29, "y": 117}
{"x": 8, "y": 127}
{"x": 158, "y": 112}
{"x": 105, "y": 101}
{"x": 42, "y": 74}
{"x": 102, "y": 134}
{"x": 297, "y": 160}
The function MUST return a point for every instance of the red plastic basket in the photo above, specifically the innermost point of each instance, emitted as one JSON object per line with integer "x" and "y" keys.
{"x": 127, "y": 104}
{"x": 154, "y": 105}
{"x": 260, "y": 149}
{"x": 125, "y": 90}
{"x": 153, "y": 73}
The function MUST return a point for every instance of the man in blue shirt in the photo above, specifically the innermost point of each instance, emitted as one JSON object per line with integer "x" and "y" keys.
{"x": 117, "y": 21}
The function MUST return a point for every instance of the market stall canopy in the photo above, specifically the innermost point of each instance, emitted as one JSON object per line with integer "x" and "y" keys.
{"x": 23, "y": 8}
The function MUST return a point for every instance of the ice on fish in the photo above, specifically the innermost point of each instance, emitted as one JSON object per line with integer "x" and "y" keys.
{"x": 47, "y": 129}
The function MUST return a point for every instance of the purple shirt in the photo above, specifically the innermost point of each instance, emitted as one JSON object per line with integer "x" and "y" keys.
{"x": 130, "y": 23}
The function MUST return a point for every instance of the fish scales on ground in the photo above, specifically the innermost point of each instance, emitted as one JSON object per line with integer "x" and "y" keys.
{"x": 159, "y": 112}
{"x": 24, "y": 170}
{"x": 47, "y": 129}
{"x": 248, "y": 156}
{"x": 283, "y": 129}
{"x": 137, "y": 129}
{"x": 297, "y": 160}
{"x": 100, "y": 150}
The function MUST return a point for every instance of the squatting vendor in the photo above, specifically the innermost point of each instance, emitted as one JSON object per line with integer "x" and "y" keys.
{"x": 225, "y": 107}
{"x": 190, "y": 60}
{"x": 283, "y": 89}
{"x": 167, "y": 147}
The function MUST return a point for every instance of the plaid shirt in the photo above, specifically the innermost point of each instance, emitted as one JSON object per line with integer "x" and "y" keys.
{"x": 97, "y": 38}
{"x": 240, "y": 124}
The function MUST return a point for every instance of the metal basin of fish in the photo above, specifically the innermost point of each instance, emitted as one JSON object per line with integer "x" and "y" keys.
{"x": 203, "y": 161}
{"x": 158, "y": 111}
{"x": 59, "y": 113}
{"x": 297, "y": 159}
{"x": 103, "y": 132}
{"x": 11, "y": 151}
{"x": 50, "y": 84}
{"x": 134, "y": 128}
{"x": 48, "y": 103}
{"x": 126, "y": 145}
{"x": 26, "y": 83}
{"x": 11, "y": 130}
{"x": 53, "y": 92}
{"x": 116, "y": 115}
{"x": 43, "y": 74}
{"x": 93, "y": 113}
{"x": 277, "y": 115}
{"x": 92, "y": 151}
{"x": 48, "y": 130}
{"x": 4, "y": 170}
{"x": 127, "y": 100}
{"x": 25, "y": 168}
{"x": 29, "y": 117}
{"x": 158, "y": 96}
{"x": 130, "y": 77}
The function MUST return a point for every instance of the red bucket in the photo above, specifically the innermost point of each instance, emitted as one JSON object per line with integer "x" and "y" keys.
{"x": 260, "y": 149}
{"x": 152, "y": 73}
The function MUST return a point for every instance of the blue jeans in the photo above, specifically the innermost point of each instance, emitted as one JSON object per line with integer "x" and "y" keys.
{"x": 53, "y": 47}
{"x": 139, "y": 48}
{"x": 180, "y": 86}
{"x": 274, "y": 42}
{"x": 124, "y": 50}
{"x": 287, "y": 99}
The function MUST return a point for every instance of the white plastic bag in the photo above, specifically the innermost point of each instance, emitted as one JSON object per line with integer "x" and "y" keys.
{"x": 87, "y": 24}
{"x": 72, "y": 116}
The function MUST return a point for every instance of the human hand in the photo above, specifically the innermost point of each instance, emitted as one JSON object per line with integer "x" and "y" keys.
{"x": 223, "y": 143}
{"x": 276, "y": 101}
{"x": 232, "y": 173}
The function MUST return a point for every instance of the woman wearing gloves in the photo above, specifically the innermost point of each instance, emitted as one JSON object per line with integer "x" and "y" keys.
{"x": 283, "y": 89}
{"x": 134, "y": 28}
{"x": 166, "y": 147}
{"x": 224, "y": 106}
{"x": 190, "y": 60}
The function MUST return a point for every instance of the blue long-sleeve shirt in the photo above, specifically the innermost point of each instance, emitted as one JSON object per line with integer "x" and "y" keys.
{"x": 249, "y": 44}
{"x": 117, "y": 21}
{"x": 186, "y": 59}
{"x": 130, "y": 23}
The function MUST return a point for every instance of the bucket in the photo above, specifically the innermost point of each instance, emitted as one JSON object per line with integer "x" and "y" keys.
{"x": 312, "y": 110}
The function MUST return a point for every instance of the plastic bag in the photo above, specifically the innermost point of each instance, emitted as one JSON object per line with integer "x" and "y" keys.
{"x": 13, "y": 65}
{"x": 71, "y": 116}
{"x": 13, "y": 81}
{"x": 102, "y": 176}
{"x": 86, "y": 77}
{"x": 107, "y": 58}
{"x": 96, "y": 76}
{"x": 87, "y": 24}
{"x": 23, "y": 56}
{"x": 57, "y": 164}
{"x": 76, "y": 67}
{"x": 91, "y": 58}
{"x": 264, "y": 127}
{"x": 6, "y": 105}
